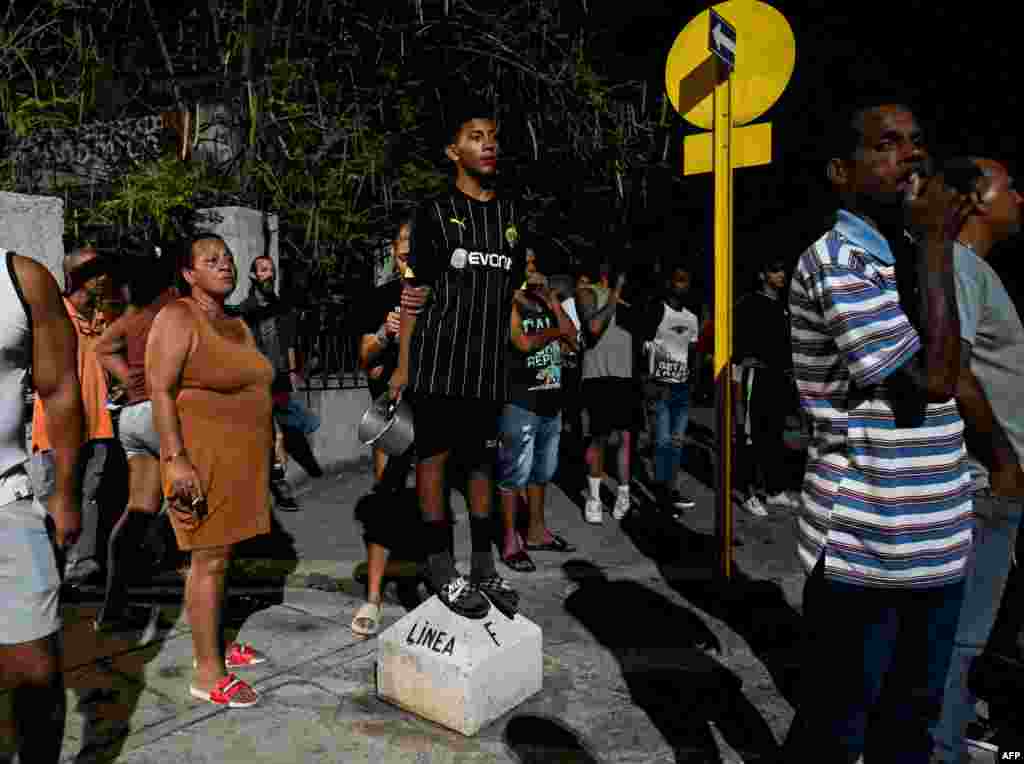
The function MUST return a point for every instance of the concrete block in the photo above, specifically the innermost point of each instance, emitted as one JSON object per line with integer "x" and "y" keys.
{"x": 33, "y": 226}
{"x": 458, "y": 672}
{"x": 250, "y": 233}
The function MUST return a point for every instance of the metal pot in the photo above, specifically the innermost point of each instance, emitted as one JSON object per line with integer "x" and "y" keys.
{"x": 387, "y": 425}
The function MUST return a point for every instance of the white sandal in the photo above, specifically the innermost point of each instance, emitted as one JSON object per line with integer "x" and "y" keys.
{"x": 370, "y": 611}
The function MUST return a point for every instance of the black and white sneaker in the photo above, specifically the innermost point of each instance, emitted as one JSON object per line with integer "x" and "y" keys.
{"x": 462, "y": 598}
{"x": 500, "y": 593}
{"x": 981, "y": 736}
{"x": 680, "y": 500}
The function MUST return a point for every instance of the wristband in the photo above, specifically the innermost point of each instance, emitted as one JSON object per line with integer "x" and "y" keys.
{"x": 382, "y": 336}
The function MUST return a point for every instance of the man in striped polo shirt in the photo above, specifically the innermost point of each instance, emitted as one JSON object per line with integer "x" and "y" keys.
{"x": 885, "y": 525}
{"x": 467, "y": 246}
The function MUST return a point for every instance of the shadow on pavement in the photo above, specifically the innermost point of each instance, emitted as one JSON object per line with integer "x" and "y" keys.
{"x": 534, "y": 739}
{"x": 107, "y": 671}
{"x": 663, "y": 652}
{"x": 756, "y": 610}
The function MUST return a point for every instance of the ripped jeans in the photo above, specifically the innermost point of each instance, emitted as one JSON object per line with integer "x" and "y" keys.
{"x": 528, "y": 452}
{"x": 671, "y": 415}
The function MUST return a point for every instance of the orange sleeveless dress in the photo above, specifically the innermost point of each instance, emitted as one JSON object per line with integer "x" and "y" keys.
{"x": 224, "y": 406}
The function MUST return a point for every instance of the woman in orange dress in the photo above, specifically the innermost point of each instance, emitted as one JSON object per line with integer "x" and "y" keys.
{"x": 210, "y": 388}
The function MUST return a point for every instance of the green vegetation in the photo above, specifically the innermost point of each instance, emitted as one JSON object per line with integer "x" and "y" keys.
{"x": 333, "y": 110}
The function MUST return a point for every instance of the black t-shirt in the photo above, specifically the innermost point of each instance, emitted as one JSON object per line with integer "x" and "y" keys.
{"x": 473, "y": 256}
{"x": 381, "y": 301}
{"x": 762, "y": 331}
{"x": 535, "y": 379}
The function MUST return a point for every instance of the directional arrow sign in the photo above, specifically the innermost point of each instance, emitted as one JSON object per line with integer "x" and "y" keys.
{"x": 722, "y": 40}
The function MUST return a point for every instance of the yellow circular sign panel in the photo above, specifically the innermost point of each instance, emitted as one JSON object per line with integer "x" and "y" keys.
{"x": 765, "y": 57}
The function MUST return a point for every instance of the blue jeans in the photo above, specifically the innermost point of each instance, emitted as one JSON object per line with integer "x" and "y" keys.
{"x": 528, "y": 454}
{"x": 994, "y": 543}
{"x": 671, "y": 414}
{"x": 872, "y": 654}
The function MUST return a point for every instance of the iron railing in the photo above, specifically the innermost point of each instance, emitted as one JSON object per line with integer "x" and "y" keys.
{"x": 327, "y": 338}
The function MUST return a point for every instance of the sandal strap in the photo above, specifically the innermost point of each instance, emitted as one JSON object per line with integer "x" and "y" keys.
{"x": 227, "y": 688}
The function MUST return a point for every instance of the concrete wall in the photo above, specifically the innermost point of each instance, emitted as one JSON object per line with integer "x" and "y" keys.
{"x": 250, "y": 233}
{"x": 336, "y": 444}
{"x": 34, "y": 226}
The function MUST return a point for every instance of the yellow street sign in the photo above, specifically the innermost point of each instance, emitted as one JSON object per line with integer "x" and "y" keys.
{"x": 751, "y": 146}
{"x": 765, "y": 57}
{"x": 723, "y": 71}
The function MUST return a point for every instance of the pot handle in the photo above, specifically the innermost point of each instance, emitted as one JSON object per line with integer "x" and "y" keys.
{"x": 388, "y": 408}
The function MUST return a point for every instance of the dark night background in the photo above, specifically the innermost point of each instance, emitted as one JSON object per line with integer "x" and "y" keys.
{"x": 956, "y": 63}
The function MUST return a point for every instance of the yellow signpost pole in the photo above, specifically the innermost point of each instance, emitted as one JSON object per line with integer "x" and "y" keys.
{"x": 722, "y": 139}
{"x": 728, "y": 66}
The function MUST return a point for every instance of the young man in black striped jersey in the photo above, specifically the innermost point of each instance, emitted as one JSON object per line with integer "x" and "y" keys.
{"x": 467, "y": 247}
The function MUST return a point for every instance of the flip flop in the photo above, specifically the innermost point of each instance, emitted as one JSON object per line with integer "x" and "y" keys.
{"x": 520, "y": 562}
{"x": 557, "y": 544}
{"x": 224, "y": 693}
{"x": 370, "y": 611}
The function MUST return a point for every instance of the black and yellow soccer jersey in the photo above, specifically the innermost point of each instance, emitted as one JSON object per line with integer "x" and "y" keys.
{"x": 472, "y": 255}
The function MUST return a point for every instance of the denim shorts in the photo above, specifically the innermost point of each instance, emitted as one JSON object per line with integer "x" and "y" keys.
{"x": 29, "y": 582}
{"x": 528, "y": 453}
{"x": 137, "y": 432}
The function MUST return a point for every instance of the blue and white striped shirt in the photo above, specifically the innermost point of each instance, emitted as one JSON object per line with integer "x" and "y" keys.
{"x": 888, "y": 506}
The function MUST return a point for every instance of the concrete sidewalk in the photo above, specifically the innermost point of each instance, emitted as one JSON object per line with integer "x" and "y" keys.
{"x": 646, "y": 659}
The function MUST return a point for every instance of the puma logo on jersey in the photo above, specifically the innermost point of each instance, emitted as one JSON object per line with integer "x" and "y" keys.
{"x": 462, "y": 257}
{"x": 459, "y": 222}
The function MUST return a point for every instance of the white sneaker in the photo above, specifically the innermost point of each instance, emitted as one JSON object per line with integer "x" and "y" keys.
{"x": 754, "y": 506}
{"x": 622, "y": 505}
{"x": 783, "y": 499}
{"x": 594, "y": 511}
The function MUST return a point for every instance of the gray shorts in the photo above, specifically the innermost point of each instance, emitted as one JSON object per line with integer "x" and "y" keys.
{"x": 137, "y": 432}
{"x": 29, "y": 582}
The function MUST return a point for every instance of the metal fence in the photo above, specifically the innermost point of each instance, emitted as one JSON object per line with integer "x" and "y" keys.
{"x": 328, "y": 336}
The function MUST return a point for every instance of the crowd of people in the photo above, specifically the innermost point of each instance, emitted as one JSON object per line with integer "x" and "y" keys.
{"x": 896, "y": 340}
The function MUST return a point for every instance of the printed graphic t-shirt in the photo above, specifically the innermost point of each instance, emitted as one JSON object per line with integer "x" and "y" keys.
{"x": 472, "y": 255}
{"x": 535, "y": 378}
{"x": 668, "y": 353}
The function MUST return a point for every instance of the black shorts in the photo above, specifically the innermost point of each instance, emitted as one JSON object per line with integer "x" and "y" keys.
{"x": 612, "y": 403}
{"x": 465, "y": 426}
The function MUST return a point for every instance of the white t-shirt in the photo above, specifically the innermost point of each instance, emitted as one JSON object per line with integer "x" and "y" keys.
{"x": 668, "y": 352}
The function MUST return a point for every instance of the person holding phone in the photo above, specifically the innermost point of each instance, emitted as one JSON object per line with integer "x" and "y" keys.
{"x": 610, "y": 394}
{"x": 210, "y": 389}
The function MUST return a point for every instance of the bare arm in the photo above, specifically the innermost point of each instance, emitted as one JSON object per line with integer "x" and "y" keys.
{"x": 400, "y": 377}
{"x": 565, "y": 324}
{"x": 937, "y": 212}
{"x": 527, "y": 343}
{"x": 371, "y": 348}
{"x": 110, "y": 349}
{"x": 596, "y": 321}
{"x": 986, "y": 439}
{"x": 55, "y": 375}
{"x": 167, "y": 349}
